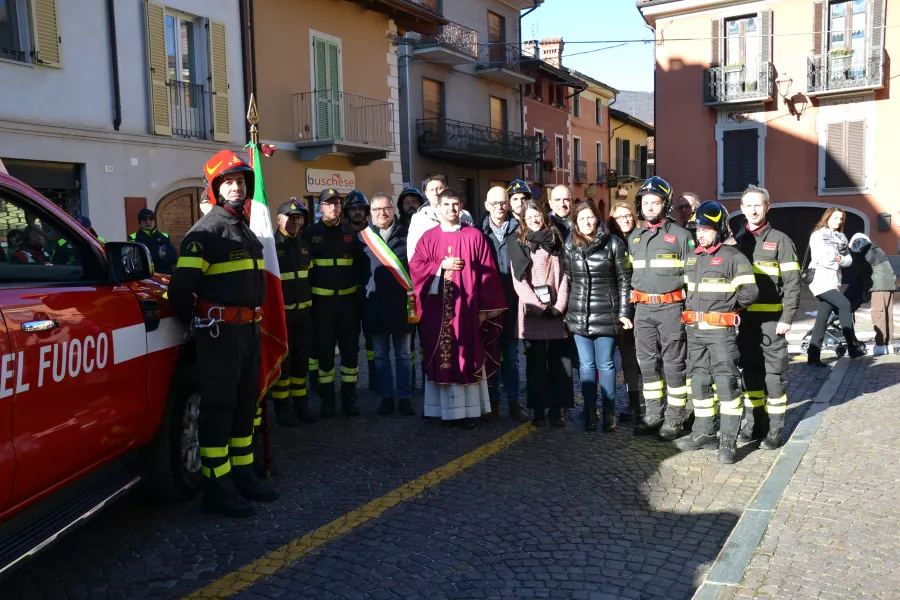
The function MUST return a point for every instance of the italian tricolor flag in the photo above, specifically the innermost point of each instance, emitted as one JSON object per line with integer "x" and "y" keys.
{"x": 274, "y": 330}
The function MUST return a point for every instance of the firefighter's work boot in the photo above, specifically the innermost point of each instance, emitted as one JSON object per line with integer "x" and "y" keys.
{"x": 220, "y": 498}
{"x": 284, "y": 414}
{"x": 773, "y": 441}
{"x": 697, "y": 441}
{"x": 406, "y": 407}
{"x": 648, "y": 425}
{"x": 670, "y": 431}
{"x": 326, "y": 392}
{"x": 746, "y": 434}
{"x": 727, "y": 450}
{"x": 250, "y": 487}
{"x": 517, "y": 413}
{"x": 301, "y": 410}
{"x": 386, "y": 407}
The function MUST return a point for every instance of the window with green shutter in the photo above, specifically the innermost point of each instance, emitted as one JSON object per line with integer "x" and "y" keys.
{"x": 327, "y": 69}
{"x": 845, "y": 156}
{"x": 740, "y": 159}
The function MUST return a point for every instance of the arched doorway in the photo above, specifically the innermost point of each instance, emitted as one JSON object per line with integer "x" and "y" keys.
{"x": 177, "y": 212}
{"x": 797, "y": 221}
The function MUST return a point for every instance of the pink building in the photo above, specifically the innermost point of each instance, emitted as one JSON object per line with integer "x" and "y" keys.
{"x": 790, "y": 95}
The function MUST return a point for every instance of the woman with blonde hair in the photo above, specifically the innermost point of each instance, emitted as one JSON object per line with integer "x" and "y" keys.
{"x": 829, "y": 251}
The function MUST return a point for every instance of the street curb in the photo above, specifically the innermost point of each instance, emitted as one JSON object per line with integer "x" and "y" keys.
{"x": 734, "y": 558}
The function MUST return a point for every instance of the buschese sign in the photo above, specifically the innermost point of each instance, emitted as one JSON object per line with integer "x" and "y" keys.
{"x": 323, "y": 179}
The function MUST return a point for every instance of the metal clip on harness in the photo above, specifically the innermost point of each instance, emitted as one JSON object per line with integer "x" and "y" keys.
{"x": 211, "y": 322}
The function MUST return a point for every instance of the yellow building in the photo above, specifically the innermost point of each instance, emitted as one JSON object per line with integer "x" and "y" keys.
{"x": 630, "y": 155}
{"x": 325, "y": 73}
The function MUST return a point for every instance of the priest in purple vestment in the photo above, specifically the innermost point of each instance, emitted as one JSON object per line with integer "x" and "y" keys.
{"x": 460, "y": 299}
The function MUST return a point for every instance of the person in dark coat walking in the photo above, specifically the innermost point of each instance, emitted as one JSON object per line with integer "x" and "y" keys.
{"x": 501, "y": 230}
{"x": 599, "y": 291}
{"x": 157, "y": 242}
{"x": 388, "y": 313}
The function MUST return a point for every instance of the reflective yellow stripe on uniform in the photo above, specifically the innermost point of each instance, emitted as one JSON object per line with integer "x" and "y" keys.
{"x": 704, "y": 408}
{"x": 298, "y": 306}
{"x": 777, "y": 406}
{"x": 653, "y": 390}
{"x": 214, "y": 452}
{"x": 326, "y": 376}
{"x": 790, "y": 266}
{"x": 658, "y": 263}
{"x": 282, "y": 392}
{"x": 291, "y": 275}
{"x": 192, "y": 262}
{"x": 257, "y": 420}
{"x": 333, "y": 262}
{"x": 754, "y": 399}
{"x": 725, "y": 288}
{"x": 766, "y": 270}
{"x": 247, "y": 264}
{"x": 298, "y": 380}
{"x": 239, "y": 461}
{"x": 350, "y": 375}
{"x": 216, "y": 472}
{"x": 765, "y": 308}
{"x": 370, "y": 355}
{"x": 327, "y": 292}
{"x": 241, "y": 442}
{"x": 743, "y": 280}
{"x": 731, "y": 407}
{"x": 298, "y": 392}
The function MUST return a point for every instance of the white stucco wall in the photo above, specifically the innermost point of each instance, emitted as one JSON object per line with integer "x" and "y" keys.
{"x": 66, "y": 114}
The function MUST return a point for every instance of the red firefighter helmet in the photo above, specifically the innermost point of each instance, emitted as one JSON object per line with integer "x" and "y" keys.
{"x": 225, "y": 161}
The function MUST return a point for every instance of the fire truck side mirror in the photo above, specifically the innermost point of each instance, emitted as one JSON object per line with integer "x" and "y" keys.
{"x": 128, "y": 261}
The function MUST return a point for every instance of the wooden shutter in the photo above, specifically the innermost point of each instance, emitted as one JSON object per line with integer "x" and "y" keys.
{"x": 740, "y": 159}
{"x": 877, "y": 13}
{"x": 845, "y": 157}
{"x": 498, "y": 113}
{"x": 818, "y": 22}
{"x": 334, "y": 78}
{"x": 45, "y": 31}
{"x": 765, "y": 39}
{"x": 432, "y": 99}
{"x": 716, "y": 39}
{"x": 160, "y": 106}
{"x": 328, "y": 95}
{"x": 218, "y": 82}
{"x": 495, "y": 28}
{"x": 619, "y": 159}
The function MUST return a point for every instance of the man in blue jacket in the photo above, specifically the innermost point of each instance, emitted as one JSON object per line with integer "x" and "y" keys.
{"x": 501, "y": 229}
{"x": 161, "y": 249}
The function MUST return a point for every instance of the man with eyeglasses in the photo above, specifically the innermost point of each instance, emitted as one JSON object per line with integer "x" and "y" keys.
{"x": 684, "y": 210}
{"x": 157, "y": 242}
{"x": 500, "y": 228}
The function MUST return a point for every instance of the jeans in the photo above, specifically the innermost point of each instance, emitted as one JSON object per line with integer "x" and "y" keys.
{"x": 509, "y": 368}
{"x": 593, "y": 354}
{"x": 402, "y": 365}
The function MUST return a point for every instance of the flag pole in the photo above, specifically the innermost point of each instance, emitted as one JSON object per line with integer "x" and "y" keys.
{"x": 253, "y": 120}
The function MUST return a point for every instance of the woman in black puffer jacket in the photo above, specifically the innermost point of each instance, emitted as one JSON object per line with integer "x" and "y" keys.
{"x": 599, "y": 292}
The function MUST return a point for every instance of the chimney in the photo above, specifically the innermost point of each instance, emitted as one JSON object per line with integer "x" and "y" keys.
{"x": 552, "y": 50}
{"x": 531, "y": 48}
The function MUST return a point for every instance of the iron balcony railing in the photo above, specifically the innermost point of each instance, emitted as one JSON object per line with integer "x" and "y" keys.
{"x": 581, "y": 171}
{"x": 602, "y": 170}
{"x": 626, "y": 167}
{"x": 648, "y": 170}
{"x": 442, "y": 135}
{"x": 830, "y": 72}
{"x": 496, "y": 55}
{"x": 336, "y": 116}
{"x": 188, "y": 101}
{"x": 736, "y": 84}
{"x": 452, "y": 35}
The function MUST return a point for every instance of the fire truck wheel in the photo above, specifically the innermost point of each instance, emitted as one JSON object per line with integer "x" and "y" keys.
{"x": 173, "y": 462}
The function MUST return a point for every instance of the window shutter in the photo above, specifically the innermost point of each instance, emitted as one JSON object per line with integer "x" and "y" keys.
{"x": 716, "y": 38}
{"x": 619, "y": 161}
{"x": 856, "y": 153}
{"x": 218, "y": 69}
{"x": 334, "y": 79}
{"x": 818, "y": 21}
{"x": 835, "y": 150}
{"x": 877, "y": 26}
{"x": 160, "y": 106}
{"x": 765, "y": 38}
{"x": 45, "y": 30}
{"x": 740, "y": 158}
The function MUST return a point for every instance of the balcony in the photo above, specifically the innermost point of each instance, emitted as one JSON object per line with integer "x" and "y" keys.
{"x": 602, "y": 170}
{"x": 846, "y": 73}
{"x": 452, "y": 45}
{"x": 188, "y": 102}
{"x": 634, "y": 169}
{"x": 581, "y": 171}
{"x": 335, "y": 122}
{"x": 502, "y": 63}
{"x": 468, "y": 144}
{"x": 734, "y": 84}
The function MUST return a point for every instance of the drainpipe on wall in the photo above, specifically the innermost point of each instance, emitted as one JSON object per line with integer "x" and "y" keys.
{"x": 114, "y": 55}
{"x": 245, "y": 54}
{"x": 521, "y": 90}
{"x": 609, "y": 143}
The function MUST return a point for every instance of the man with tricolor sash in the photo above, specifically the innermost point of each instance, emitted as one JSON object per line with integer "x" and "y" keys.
{"x": 390, "y": 307}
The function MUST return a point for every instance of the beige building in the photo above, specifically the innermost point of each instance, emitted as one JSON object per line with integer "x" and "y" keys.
{"x": 629, "y": 155}
{"x": 325, "y": 73}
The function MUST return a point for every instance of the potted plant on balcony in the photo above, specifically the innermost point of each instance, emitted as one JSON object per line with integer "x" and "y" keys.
{"x": 840, "y": 62}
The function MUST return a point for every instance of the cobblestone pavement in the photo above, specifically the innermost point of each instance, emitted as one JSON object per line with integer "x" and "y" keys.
{"x": 560, "y": 513}
{"x": 835, "y": 533}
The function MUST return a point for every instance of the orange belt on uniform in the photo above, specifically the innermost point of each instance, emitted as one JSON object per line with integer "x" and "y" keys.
{"x": 216, "y": 313}
{"x": 669, "y": 298}
{"x": 721, "y": 319}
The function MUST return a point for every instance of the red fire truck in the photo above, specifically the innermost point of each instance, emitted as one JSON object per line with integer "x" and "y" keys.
{"x": 96, "y": 392}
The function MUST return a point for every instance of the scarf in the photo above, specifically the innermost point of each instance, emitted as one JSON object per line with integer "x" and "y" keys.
{"x": 499, "y": 232}
{"x": 520, "y": 254}
{"x": 387, "y": 233}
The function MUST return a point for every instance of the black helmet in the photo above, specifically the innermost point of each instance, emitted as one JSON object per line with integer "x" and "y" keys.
{"x": 328, "y": 194}
{"x": 356, "y": 198}
{"x": 294, "y": 207}
{"x": 517, "y": 186}
{"x": 658, "y": 187}
{"x": 411, "y": 191}
{"x": 713, "y": 214}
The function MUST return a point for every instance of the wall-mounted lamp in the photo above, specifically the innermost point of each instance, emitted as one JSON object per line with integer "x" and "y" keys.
{"x": 783, "y": 83}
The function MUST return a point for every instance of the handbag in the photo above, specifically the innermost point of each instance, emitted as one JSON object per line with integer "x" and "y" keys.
{"x": 806, "y": 273}
{"x": 544, "y": 294}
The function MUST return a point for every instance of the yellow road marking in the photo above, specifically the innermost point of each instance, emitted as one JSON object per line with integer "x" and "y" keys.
{"x": 295, "y": 550}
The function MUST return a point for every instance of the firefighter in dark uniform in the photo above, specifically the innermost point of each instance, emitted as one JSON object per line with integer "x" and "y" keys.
{"x": 657, "y": 252}
{"x": 762, "y": 335}
{"x": 218, "y": 287}
{"x": 65, "y": 252}
{"x": 157, "y": 242}
{"x": 720, "y": 283}
{"x": 337, "y": 284}
{"x": 294, "y": 262}
{"x": 356, "y": 212}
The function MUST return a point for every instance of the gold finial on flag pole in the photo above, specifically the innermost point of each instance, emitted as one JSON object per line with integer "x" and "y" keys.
{"x": 253, "y": 119}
